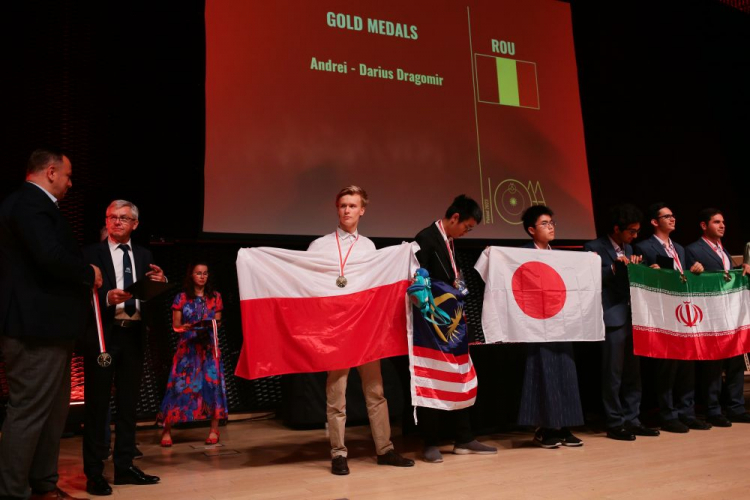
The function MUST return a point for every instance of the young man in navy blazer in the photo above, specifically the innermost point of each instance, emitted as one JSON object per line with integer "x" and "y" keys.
{"x": 709, "y": 251}
{"x": 675, "y": 379}
{"x": 621, "y": 373}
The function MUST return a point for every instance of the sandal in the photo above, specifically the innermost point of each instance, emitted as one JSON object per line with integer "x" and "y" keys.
{"x": 166, "y": 439}
{"x": 214, "y": 440}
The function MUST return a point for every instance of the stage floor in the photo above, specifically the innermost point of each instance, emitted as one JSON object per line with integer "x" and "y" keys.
{"x": 262, "y": 459}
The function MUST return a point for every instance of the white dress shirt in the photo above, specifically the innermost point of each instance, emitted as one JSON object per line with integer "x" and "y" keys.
{"x": 119, "y": 277}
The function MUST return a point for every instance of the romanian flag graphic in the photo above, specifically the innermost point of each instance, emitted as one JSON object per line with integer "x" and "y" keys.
{"x": 507, "y": 81}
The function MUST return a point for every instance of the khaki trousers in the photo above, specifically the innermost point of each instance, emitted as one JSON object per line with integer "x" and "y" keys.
{"x": 377, "y": 408}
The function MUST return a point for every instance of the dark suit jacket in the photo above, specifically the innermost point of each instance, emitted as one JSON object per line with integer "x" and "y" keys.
{"x": 44, "y": 281}
{"x": 650, "y": 248}
{"x": 433, "y": 255}
{"x": 615, "y": 285}
{"x": 99, "y": 255}
{"x": 700, "y": 251}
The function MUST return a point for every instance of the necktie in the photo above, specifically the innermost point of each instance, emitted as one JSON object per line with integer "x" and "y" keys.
{"x": 127, "y": 277}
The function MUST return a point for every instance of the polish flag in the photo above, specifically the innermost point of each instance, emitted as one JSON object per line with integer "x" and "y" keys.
{"x": 296, "y": 320}
{"x": 540, "y": 295}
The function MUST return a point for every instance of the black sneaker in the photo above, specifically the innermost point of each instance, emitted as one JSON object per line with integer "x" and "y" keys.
{"x": 568, "y": 439}
{"x": 546, "y": 439}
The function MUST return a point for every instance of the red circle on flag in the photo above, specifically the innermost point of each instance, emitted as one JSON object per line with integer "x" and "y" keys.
{"x": 539, "y": 290}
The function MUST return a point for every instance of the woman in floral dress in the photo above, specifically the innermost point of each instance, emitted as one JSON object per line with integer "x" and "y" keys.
{"x": 195, "y": 390}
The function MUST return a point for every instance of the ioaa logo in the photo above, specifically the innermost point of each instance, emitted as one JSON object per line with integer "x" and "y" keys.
{"x": 688, "y": 314}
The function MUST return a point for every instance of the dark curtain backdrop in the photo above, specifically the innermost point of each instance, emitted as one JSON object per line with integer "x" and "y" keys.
{"x": 120, "y": 87}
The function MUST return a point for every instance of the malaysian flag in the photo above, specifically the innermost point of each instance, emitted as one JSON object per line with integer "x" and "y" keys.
{"x": 442, "y": 374}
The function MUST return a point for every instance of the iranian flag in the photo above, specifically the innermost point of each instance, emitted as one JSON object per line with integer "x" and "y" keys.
{"x": 295, "y": 319}
{"x": 541, "y": 295}
{"x": 703, "y": 317}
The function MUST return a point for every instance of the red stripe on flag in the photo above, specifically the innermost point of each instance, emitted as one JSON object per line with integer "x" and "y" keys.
{"x": 458, "y": 378}
{"x": 427, "y": 392}
{"x": 488, "y": 90}
{"x": 528, "y": 92}
{"x": 302, "y": 335}
{"x": 654, "y": 344}
{"x": 447, "y": 357}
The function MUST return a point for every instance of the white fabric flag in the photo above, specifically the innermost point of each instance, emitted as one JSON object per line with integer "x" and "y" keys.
{"x": 541, "y": 296}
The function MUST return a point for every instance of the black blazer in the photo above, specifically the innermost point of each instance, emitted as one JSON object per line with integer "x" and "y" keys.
{"x": 44, "y": 281}
{"x": 99, "y": 255}
{"x": 650, "y": 248}
{"x": 433, "y": 255}
{"x": 700, "y": 251}
{"x": 615, "y": 285}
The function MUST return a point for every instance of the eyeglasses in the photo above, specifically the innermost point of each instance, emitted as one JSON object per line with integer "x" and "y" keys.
{"x": 633, "y": 232}
{"x": 547, "y": 223}
{"x": 122, "y": 218}
{"x": 666, "y": 216}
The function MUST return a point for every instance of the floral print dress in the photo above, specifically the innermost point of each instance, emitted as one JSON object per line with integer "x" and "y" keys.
{"x": 196, "y": 389}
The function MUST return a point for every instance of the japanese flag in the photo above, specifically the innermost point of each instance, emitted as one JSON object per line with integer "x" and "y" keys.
{"x": 541, "y": 296}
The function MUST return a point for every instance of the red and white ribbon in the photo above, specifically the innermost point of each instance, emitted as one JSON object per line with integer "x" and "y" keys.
{"x": 99, "y": 327}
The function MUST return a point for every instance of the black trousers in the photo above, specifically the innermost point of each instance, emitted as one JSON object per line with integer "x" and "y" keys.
{"x": 675, "y": 389}
{"x": 430, "y": 420}
{"x": 126, "y": 346}
{"x": 715, "y": 395}
{"x": 38, "y": 374}
{"x": 732, "y": 395}
{"x": 621, "y": 377}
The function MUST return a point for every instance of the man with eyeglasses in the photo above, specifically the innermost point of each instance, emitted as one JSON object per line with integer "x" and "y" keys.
{"x": 550, "y": 399}
{"x": 675, "y": 379}
{"x": 122, "y": 264}
{"x": 621, "y": 372}
{"x": 709, "y": 251}
{"x": 438, "y": 256}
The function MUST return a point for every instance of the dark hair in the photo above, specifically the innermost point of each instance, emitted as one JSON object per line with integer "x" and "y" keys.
{"x": 40, "y": 158}
{"x": 188, "y": 286}
{"x": 532, "y": 214}
{"x": 706, "y": 214}
{"x": 466, "y": 208}
{"x": 622, "y": 216}
{"x": 652, "y": 212}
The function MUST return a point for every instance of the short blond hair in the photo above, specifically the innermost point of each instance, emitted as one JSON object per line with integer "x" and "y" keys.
{"x": 352, "y": 190}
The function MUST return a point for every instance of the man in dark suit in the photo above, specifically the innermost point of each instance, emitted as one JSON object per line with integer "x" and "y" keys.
{"x": 675, "y": 379}
{"x": 621, "y": 372}
{"x": 122, "y": 264}
{"x": 45, "y": 303}
{"x": 438, "y": 256}
{"x": 709, "y": 251}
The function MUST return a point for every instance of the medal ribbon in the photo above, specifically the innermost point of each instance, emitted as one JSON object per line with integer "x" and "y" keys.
{"x": 216, "y": 339}
{"x": 451, "y": 248}
{"x": 99, "y": 328}
{"x": 342, "y": 262}
{"x": 669, "y": 248}
{"x": 719, "y": 250}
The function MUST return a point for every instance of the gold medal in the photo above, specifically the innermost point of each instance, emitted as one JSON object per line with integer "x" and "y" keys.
{"x": 104, "y": 360}
{"x": 727, "y": 277}
{"x": 683, "y": 278}
{"x": 341, "y": 282}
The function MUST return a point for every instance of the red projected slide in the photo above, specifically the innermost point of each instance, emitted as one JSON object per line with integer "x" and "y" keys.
{"x": 415, "y": 101}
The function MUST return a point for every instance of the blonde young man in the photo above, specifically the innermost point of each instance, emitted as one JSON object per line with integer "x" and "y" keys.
{"x": 347, "y": 244}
